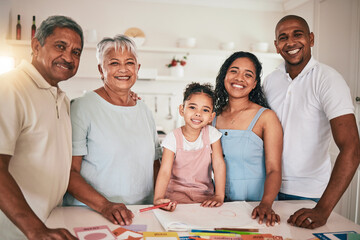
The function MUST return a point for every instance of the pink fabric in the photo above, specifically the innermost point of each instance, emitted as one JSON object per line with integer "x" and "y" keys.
{"x": 190, "y": 180}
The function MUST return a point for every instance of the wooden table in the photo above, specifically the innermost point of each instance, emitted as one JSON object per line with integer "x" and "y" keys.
{"x": 70, "y": 217}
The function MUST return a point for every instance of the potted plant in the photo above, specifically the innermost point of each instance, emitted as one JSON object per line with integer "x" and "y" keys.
{"x": 177, "y": 66}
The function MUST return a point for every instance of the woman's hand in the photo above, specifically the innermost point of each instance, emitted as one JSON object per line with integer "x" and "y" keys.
{"x": 171, "y": 207}
{"x": 134, "y": 96}
{"x": 215, "y": 201}
{"x": 264, "y": 210}
{"x": 117, "y": 213}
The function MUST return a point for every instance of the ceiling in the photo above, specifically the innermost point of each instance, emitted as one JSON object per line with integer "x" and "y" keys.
{"x": 254, "y": 5}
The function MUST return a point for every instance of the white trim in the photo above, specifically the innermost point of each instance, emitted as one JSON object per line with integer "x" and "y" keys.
{"x": 315, "y": 51}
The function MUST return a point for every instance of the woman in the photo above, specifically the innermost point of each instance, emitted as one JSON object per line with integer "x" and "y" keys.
{"x": 252, "y": 135}
{"x": 114, "y": 138}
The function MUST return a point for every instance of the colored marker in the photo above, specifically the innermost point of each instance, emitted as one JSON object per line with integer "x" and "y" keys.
{"x": 154, "y": 207}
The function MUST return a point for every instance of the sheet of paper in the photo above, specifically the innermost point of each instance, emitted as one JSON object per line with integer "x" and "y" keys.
{"x": 193, "y": 216}
{"x": 94, "y": 233}
{"x": 126, "y": 234}
{"x": 333, "y": 235}
{"x": 136, "y": 227}
{"x": 161, "y": 236}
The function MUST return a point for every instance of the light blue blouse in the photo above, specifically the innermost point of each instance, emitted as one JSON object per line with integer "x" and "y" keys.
{"x": 244, "y": 156}
{"x": 119, "y": 145}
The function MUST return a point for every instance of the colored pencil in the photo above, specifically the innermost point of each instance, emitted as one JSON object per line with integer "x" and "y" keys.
{"x": 154, "y": 207}
{"x": 238, "y": 229}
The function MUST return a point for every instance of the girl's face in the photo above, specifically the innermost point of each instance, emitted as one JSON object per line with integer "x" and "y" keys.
{"x": 197, "y": 111}
{"x": 240, "y": 78}
{"x": 119, "y": 70}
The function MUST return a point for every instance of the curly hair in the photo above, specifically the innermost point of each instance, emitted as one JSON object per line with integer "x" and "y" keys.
{"x": 221, "y": 95}
{"x": 195, "y": 88}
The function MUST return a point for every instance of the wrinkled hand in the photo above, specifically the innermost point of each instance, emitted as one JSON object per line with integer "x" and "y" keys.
{"x": 263, "y": 211}
{"x": 134, "y": 96}
{"x": 53, "y": 234}
{"x": 215, "y": 201}
{"x": 308, "y": 218}
{"x": 171, "y": 207}
{"x": 117, "y": 213}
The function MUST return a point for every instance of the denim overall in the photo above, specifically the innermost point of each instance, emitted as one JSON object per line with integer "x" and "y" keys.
{"x": 244, "y": 156}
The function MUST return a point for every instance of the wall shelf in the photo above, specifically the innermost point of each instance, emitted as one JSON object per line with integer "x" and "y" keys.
{"x": 155, "y": 49}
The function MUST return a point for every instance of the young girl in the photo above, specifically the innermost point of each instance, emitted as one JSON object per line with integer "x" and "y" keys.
{"x": 189, "y": 153}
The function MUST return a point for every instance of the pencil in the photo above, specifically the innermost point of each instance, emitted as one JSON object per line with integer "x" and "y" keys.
{"x": 238, "y": 229}
{"x": 154, "y": 207}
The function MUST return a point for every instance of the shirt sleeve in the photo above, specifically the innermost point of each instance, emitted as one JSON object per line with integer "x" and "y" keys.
{"x": 214, "y": 134}
{"x": 169, "y": 142}
{"x": 80, "y": 124}
{"x": 335, "y": 95}
{"x": 11, "y": 117}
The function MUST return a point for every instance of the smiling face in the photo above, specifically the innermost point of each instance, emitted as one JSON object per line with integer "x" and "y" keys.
{"x": 294, "y": 42}
{"x": 197, "y": 110}
{"x": 119, "y": 69}
{"x": 58, "y": 59}
{"x": 240, "y": 78}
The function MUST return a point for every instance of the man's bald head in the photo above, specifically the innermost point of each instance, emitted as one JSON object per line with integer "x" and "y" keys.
{"x": 293, "y": 17}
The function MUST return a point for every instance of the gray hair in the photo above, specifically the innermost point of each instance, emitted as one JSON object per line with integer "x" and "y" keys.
{"x": 120, "y": 41}
{"x": 48, "y": 25}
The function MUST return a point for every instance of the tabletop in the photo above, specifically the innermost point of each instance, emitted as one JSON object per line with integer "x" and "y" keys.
{"x": 71, "y": 217}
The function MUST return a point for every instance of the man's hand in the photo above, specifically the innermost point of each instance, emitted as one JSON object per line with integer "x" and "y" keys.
{"x": 308, "y": 218}
{"x": 53, "y": 234}
{"x": 265, "y": 211}
{"x": 117, "y": 213}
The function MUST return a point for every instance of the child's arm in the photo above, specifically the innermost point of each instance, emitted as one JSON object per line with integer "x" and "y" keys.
{"x": 273, "y": 142}
{"x": 219, "y": 168}
{"x": 163, "y": 179}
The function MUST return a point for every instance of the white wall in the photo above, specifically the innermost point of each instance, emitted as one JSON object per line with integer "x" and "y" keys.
{"x": 163, "y": 24}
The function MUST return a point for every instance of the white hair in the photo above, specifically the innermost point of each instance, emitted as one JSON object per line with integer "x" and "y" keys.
{"x": 120, "y": 41}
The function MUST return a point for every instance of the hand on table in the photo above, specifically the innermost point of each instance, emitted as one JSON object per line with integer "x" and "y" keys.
{"x": 263, "y": 210}
{"x": 53, "y": 234}
{"x": 117, "y": 213}
{"x": 171, "y": 207}
{"x": 215, "y": 201}
{"x": 308, "y": 218}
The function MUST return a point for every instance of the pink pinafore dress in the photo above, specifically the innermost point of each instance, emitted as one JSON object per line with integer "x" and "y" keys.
{"x": 190, "y": 180}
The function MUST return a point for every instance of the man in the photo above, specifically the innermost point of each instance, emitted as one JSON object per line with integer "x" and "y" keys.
{"x": 311, "y": 99}
{"x": 35, "y": 132}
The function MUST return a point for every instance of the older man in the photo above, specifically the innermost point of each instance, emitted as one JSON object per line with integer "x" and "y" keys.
{"x": 35, "y": 132}
{"x": 312, "y": 101}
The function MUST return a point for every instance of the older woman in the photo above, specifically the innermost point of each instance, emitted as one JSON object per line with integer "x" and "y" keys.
{"x": 252, "y": 135}
{"x": 115, "y": 143}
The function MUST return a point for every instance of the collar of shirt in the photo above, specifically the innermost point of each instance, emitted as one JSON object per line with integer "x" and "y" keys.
{"x": 309, "y": 66}
{"x": 38, "y": 79}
